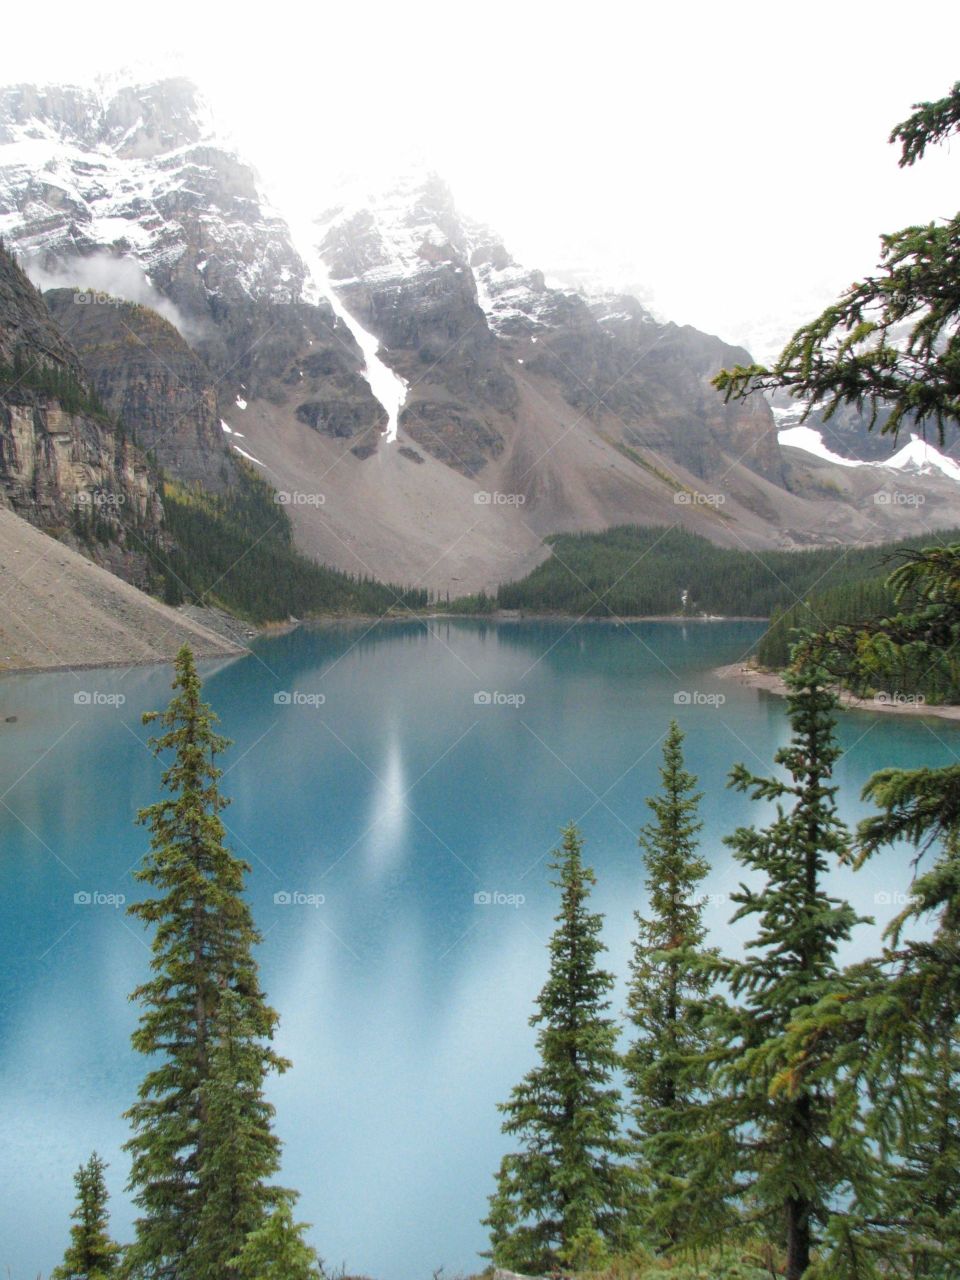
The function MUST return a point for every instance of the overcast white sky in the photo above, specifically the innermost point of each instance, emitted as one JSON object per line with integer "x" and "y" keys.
{"x": 731, "y": 158}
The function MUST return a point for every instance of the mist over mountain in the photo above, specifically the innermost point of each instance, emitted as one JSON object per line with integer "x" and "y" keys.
{"x": 428, "y": 407}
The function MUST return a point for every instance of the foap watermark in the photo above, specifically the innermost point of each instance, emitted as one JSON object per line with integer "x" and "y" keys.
{"x": 298, "y": 698}
{"x": 94, "y": 898}
{"x": 94, "y": 698}
{"x": 494, "y": 898}
{"x": 897, "y": 699}
{"x": 484, "y": 499}
{"x": 689, "y": 498}
{"x": 285, "y": 498}
{"x": 296, "y": 898}
{"x": 694, "y": 698}
{"x": 493, "y": 698}
{"x": 702, "y": 899}
{"x": 895, "y": 898}
{"x": 95, "y": 298}
{"x": 101, "y": 500}
{"x": 898, "y": 498}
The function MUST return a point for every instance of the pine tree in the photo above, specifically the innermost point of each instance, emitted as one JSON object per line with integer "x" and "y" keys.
{"x": 667, "y": 1064}
{"x": 238, "y": 1147}
{"x": 790, "y": 1166}
{"x": 277, "y": 1251}
{"x": 892, "y": 1035}
{"x": 91, "y": 1255}
{"x": 563, "y": 1199}
{"x": 200, "y": 1160}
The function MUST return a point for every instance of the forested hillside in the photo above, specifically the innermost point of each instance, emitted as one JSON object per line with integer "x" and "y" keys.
{"x": 236, "y": 551}
{"x": 632, "y": 571}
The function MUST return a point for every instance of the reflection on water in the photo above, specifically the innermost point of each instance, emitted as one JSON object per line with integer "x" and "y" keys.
{"x": 384, "y": 824}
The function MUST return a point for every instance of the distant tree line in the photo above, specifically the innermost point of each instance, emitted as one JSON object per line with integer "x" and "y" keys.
{"x": 633, "y": 571}
{"x": 235, "y": 550}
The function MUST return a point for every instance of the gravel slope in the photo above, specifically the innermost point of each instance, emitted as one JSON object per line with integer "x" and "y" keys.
{"x": 58, "y": 609}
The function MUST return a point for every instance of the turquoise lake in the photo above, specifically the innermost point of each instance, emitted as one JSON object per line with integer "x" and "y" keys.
{"x": 399, "y": 832}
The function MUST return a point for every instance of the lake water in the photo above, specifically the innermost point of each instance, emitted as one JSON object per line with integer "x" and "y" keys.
{"x": 423, "y": 818}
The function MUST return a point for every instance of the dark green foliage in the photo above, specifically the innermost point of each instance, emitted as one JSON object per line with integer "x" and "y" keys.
{"x": 563, "y": 1199}
{"x": 890, "y": 1037}
{"x": 849, "y": 603}
{"x": 633, "y": 571}
{"x": 53, "y": 380}
{"x": 930, "y": 123}
{"x": 913, "y": 644}
{"x": 277, "y": 1251}
{"x": 202, "y": 1151}
{"x": 236, "y": 551}
{"x": 792, "y": 1167}
{"x": 91, "y": 1255}
{"x": 889, "y": 1033}
{"x": 480, "y": 603}
{"x": 667, "y": 1065}
{"x": 892, "y": 342}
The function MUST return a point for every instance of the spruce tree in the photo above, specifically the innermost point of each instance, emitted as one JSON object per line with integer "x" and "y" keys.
{"x": 91, "y": 1255}
{"x": 277, "y": 1251}
{"x": 790, "y": 1166}
{"x": 562, "y": 1200}
{"x": 202, "y": 1149}
{"x": 667, "y": 1064}
{"x": 892, "y": 1035}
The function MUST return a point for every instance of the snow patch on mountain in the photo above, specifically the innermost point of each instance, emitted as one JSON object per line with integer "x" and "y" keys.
{"x": 134, "y": 174}
{"x": 918, "y": 457}
{"x": 811, "y": 441}
{"x": 923, "y": 459}
{"x": 388, "y": 388}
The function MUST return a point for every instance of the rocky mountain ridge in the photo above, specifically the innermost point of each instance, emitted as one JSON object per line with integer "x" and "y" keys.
{"x": 528, "y": 408}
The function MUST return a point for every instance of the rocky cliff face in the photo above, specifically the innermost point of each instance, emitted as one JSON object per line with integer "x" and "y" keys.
{"x": 466, "y": 325}
{"x": 64, "y": 466}
{"x": 135, "y": 195}
{"x": 149, "y": 379}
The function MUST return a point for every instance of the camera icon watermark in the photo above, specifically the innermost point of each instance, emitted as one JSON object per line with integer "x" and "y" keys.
{"x": 95, "y": 298}
{"x": 101, "y": 500}
{"x": 298, "y": 698}
{"x": 94, "y": 698}
{"x": 296, "y": 898}
{"x": 94, "y": 898}
{"x": 895, "y": 898}
{"x": 494, "y": 898}
{"x": 897, "y": 699}
{"x": 694, "y": 698}
{"x": 898, "y": 498}
{"x": 701, "y": 899}
{"x": 287, "y": 498}
{"x": 690, "y": 498}
{"x": 484, "y": 499}
{"x": 486, "y": 698}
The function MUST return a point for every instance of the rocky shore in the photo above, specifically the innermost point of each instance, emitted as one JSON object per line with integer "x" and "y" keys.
{"x": 889, "y": 703}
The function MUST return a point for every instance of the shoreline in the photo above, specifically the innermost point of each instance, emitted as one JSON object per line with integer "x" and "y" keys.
{"x": 238, "y": 633}
{"x": 511, "y": 615}
{"x": 768, "y": 681}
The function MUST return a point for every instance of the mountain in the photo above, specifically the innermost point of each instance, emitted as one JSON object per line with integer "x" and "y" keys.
{"x": 65, "y": 465}
{"x": 848, "y": 434}
{"x": 427, "y": 408}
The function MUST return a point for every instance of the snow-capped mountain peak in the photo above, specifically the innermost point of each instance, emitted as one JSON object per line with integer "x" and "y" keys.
{"x": 918, "y": 457}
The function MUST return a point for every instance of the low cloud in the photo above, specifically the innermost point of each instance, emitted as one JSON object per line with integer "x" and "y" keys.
{"x": 121, "y": 277}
